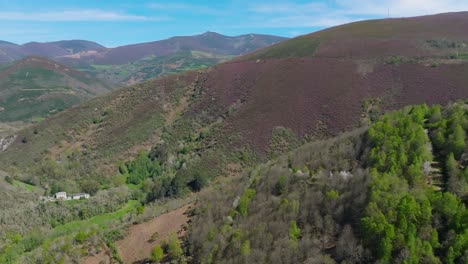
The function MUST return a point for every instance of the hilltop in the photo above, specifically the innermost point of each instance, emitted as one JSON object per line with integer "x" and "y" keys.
{"x": 441, "y": 35}
{"x": 35, "y": 87}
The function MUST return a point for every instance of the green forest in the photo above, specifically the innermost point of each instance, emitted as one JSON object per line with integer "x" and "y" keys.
{"x": 393, "y": 193}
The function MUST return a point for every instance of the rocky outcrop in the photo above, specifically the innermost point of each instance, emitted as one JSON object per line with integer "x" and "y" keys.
{"x": 6, "y": 142}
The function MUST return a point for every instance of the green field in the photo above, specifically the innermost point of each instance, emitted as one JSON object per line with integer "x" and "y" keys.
{"x": 100, "y": 221}
{"x": 26, "y": 186}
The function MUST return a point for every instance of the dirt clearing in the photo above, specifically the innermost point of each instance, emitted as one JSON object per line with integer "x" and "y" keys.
{"x": 139, "y": 241}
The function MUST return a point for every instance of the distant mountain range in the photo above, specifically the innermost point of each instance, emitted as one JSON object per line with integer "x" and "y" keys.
{"x": 94, "y": 53}
{"x": 138, "y": 62}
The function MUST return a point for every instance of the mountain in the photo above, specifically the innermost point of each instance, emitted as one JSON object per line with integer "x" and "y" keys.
{"x": 209, "y": 42}
{"x": 174, "y": 135}
{"x": 35, "y": 87}
{"x": 60, "y": 48}
{"x": 10, "y": 52}
{"x": 292, "y": 85}
{"x": 132, "y": 63}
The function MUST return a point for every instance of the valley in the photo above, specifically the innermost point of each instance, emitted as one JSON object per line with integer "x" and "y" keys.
{"x": 346, "y": 145}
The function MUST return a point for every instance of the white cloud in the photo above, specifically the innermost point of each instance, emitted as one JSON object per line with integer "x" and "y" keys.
{"x": 287, "y": 7}
{"x": 9, "y": 32}
{"x": 170, "y": 6}
{"x": 332, "y": 13}
{"x": 75, "y": 15}
{"x": 199, "y": 9}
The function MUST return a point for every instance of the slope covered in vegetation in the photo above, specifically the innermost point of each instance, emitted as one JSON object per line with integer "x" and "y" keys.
{"x": 439, "y": 35}
{"x": 239, "y": 109}
{"x": 175, "y": 135}
{"x": 36, "y": 87}
{"x": 366, "y": 196}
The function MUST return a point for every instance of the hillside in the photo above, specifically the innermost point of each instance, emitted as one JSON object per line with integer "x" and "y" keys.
{"x": 246, "y": 101}
{"x": 439, "y": 35}
{"x": 35, "y": 87}
{"x": 390, "y": 193}
{"x": 333, "y": 199}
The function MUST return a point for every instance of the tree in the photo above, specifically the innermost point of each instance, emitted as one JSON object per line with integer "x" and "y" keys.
{"x": 157, "y": 253}
{"x": 174, "y": 250}
{"x": 452, "y": 166}
{"x": 457, "y": 141}
{"x": 436, "y": 114}
{"x": 244, "y": 201}
{"x": 90, "y": 186}
{"x": 280, "y": 186}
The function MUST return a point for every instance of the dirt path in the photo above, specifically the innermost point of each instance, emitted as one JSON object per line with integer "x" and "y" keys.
{"x": 176, "y": 111}
{"x": 138, "y": 243}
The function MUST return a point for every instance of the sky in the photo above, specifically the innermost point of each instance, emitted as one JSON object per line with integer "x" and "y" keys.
{"x": 120, "y": 22}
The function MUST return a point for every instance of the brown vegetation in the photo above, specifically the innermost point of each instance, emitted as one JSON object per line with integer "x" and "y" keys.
{"x": 140, "y": 238}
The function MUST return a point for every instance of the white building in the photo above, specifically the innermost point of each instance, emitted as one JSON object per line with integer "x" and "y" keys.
{"x": 61, "y": 196}
{"x": 79, "y": 196}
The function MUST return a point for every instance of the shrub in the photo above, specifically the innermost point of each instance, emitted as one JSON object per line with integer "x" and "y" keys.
{"x": 173, "y": 248}
{"x": 294, "y": 231}
{"x": 9, "y": 179}
{"x": 332, "y": 195}
{"x": 157, "y": 254}
{"x": 244, "y": 201}
{"x": 245, "y": 248}
{"x": 140, "y": 209}
{"x": 81, "y": 237}
{"x": 280, "y": 187}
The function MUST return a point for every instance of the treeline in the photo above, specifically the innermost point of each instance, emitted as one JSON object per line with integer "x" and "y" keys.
{"x": 362, "y": 198}
{"x": 406, "y": 220}
{"x": 448, "y": 133}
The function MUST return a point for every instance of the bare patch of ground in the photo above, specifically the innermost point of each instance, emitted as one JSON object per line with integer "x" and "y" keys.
{"x": 100, "y": 258}
{"x": 139, "y": 241}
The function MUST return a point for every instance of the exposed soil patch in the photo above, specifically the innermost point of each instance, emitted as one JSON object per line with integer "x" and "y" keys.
{"x": 100, "y": 258}
{"x": 139, "y": 242}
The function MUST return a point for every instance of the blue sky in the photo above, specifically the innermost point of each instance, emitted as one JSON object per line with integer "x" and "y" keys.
{"x": 119, "y": 22}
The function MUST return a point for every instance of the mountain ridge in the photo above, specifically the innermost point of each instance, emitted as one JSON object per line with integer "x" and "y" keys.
{"x": 103, "y": 55}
